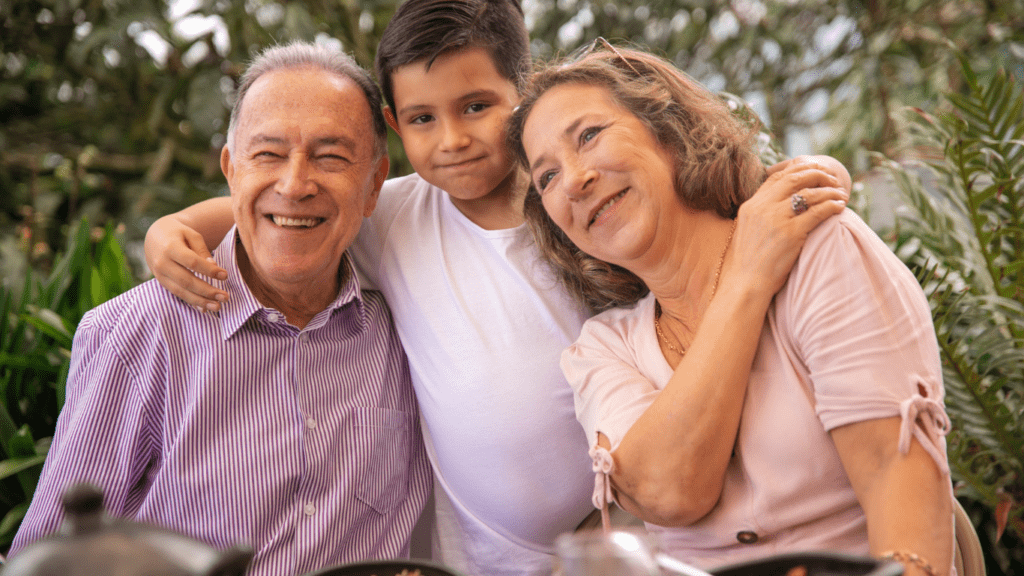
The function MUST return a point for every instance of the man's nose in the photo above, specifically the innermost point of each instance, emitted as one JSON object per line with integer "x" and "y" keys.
{"x": 295, "y": 180}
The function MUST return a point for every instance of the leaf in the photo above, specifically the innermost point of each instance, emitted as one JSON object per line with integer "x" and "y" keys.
{"x": 12, "y": 519}
{"x": 12, "y": 466}
{"x": 1002, "y": 513}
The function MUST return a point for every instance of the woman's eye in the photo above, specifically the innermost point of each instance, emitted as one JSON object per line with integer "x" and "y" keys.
{"x": 588, "y": 134}
{"x": 545, "y": 179}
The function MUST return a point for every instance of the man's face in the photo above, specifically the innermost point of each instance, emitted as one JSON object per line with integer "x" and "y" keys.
{"x": 302, "y": 177}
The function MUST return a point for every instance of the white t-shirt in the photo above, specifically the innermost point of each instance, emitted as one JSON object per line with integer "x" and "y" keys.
{"x": 483, "y": 324}
{"x": 848, "y": 338}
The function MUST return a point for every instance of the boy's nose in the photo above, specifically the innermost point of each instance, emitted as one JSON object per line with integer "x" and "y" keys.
{"x": 454, "y": 137}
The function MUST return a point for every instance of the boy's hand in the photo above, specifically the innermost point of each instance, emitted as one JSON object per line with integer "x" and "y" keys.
{"x": 173, "y": 252}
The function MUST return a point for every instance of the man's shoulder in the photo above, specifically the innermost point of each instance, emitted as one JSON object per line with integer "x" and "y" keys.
{"x": 141, "y": 308}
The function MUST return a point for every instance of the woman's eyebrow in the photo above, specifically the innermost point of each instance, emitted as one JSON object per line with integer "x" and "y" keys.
{"x": 568, "y": 131}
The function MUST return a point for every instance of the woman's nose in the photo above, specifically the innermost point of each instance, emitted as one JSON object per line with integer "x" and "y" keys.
{"x": 579, "y": 182}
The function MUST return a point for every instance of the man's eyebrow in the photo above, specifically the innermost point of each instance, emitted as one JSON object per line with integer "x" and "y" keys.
{"x": 568, "y": 131}
{"x": 342, "y": 141}
{"x": 258, "y": 139}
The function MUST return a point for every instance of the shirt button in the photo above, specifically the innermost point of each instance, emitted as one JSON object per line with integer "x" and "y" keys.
{"x": 272, "y": 317}
{"x": 309, "y": 509}
{"x": 746, "y": 537}
{"x": 310, "y": 423}
{"x": 304, "y": 337}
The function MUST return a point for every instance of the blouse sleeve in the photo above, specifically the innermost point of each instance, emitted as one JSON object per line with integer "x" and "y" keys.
{"x": 863, "y": 329}
{"x": 611, "y": 392}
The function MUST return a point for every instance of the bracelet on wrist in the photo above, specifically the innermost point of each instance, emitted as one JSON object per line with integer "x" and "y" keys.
{"x": 910, "y": 558}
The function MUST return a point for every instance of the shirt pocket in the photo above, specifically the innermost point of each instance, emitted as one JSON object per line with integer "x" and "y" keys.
{"x": 383, "y": 438}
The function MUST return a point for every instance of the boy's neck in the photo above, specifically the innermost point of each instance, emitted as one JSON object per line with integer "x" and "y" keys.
{"x": 499, "y": 210}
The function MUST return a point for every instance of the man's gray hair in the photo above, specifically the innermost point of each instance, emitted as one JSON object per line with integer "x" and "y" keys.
{"x": 306, "y": 54}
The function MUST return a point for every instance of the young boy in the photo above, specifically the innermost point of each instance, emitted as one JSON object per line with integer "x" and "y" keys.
{"x": 482, "y": 320}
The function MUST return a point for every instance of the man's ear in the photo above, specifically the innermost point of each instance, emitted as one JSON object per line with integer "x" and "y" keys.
{"x": 378, "y": 181}
{"x": 225, "y": 163}
{"x": 389, "y": 117}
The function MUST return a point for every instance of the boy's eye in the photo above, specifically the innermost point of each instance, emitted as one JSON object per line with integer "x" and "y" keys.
{"x": 476, "y": 107}
{"x": 421, "y": 119}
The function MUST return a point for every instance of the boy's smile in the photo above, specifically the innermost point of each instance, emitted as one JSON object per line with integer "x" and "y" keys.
{"x": 451, "y": 118}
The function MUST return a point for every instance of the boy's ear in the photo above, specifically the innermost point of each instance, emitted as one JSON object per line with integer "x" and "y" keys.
{"x": 389, "y": 117}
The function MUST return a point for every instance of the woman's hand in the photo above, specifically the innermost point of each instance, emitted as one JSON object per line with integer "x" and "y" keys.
{"x": 770, "y": 233}
{"x": 174, "y": 251}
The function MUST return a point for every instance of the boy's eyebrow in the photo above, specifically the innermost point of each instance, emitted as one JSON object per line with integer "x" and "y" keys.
{"x": 483, "y": 92}
{"x": 474, "y": 95}
{"x": 568, "y": 130}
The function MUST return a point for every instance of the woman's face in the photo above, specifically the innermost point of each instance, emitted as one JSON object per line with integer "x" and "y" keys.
{"x": 603, "y": 177}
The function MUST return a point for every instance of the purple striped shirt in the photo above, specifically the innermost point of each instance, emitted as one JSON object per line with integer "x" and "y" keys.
{"x": 305, "y": 444}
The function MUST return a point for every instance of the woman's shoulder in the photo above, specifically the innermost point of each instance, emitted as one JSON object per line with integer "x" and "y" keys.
{"x": 617, "y": 327}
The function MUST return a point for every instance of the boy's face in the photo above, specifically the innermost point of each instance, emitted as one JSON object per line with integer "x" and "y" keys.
{"x": 451, "y": 119}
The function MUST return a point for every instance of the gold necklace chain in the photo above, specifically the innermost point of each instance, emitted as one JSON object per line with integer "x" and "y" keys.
{"x": 714, "y": 289}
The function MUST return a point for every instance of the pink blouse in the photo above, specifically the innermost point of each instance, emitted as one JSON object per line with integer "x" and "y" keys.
{"x": 848, "y": 338}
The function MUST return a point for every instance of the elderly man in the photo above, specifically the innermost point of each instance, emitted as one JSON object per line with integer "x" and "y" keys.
{"x": 287, "y": 421}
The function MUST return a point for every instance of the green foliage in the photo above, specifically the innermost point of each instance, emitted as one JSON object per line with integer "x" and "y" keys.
{"x": 838, "y": 72}
{"x": 36, "y": 330}
{"x": 964, "y": 236}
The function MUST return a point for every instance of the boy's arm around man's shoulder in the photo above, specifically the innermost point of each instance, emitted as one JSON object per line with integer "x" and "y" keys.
{"x": 102, "y": 434}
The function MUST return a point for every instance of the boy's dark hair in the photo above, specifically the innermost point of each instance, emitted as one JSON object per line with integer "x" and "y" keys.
{"x": 422, "y": 30}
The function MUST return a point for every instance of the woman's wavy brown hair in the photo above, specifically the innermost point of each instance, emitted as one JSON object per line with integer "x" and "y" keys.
{"x": 716, "y": 163}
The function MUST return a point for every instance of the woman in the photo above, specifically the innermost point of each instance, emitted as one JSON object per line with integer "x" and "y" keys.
{"x": 823, "y": 428}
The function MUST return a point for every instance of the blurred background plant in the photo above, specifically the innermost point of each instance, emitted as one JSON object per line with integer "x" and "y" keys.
{"x": 961, "y": 230}
{"x": 114, "y": 111}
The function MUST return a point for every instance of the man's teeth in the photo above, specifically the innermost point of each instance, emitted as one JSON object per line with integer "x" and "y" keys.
{"x": 607, "y": 205}
{"x": 296, "y": 222}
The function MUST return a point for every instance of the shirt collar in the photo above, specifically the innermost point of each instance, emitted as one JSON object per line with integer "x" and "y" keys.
{"x": 243, "y": 305}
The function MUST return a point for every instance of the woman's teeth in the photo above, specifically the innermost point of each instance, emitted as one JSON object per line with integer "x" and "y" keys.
{"x": 607, "y": 205}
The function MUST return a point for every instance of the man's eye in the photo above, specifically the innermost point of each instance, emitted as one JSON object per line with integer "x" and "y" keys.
{"x": 266, "y": 154}
{"x": 332, "y": 160}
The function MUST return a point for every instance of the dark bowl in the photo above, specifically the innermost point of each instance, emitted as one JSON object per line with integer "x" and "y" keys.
{"x": 817, "y": 564}
{"x": 385, "y": 568}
